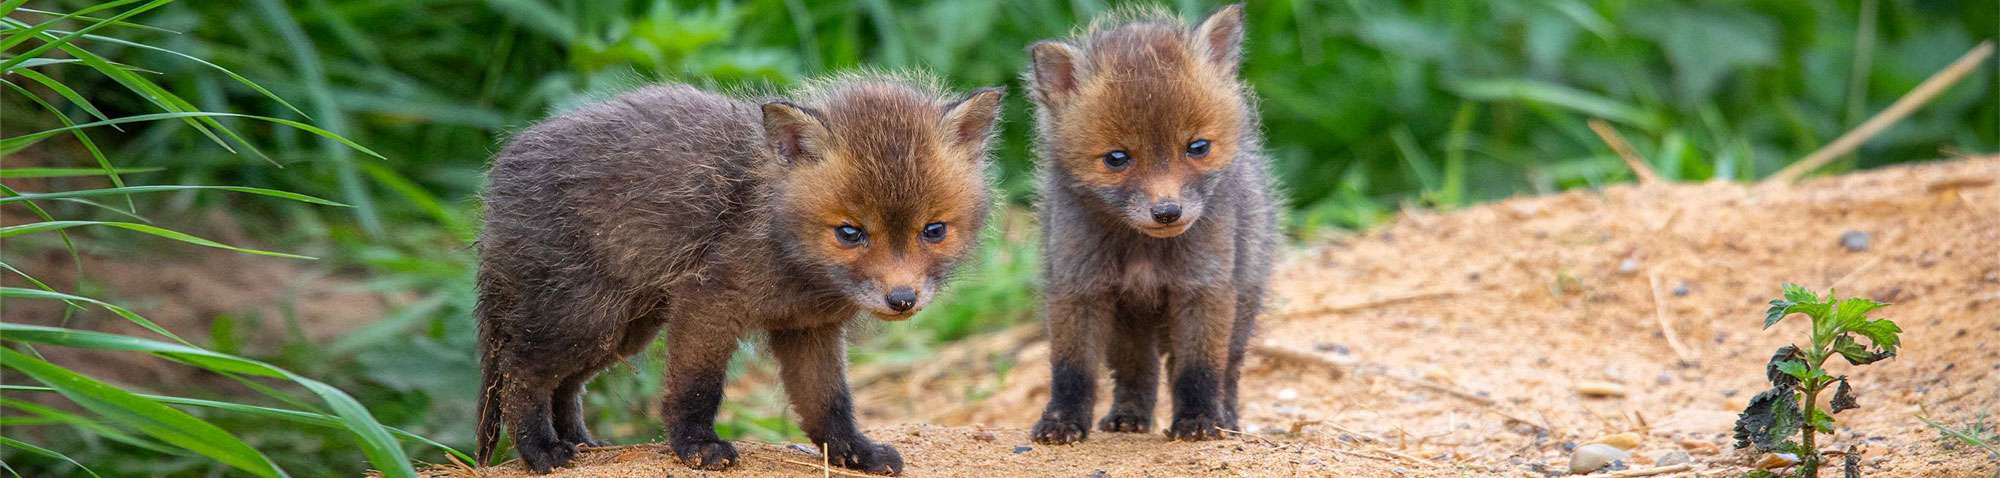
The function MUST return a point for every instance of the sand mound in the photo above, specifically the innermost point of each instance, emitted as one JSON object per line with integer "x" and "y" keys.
{"x": 1458, "y": 343}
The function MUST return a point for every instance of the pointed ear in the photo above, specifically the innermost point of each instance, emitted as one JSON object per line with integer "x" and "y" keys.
{"x": 1053, "y": 70}
{"x": 796, "y": 133}
{"x": 970, "y": 120}
{"x": 1219, "y": 39}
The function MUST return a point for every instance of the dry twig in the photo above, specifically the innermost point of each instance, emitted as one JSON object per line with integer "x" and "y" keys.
{"x": 1625, "y": 152}
{"x": 1924, "y": 92}
{"x": 1660, "y": 316}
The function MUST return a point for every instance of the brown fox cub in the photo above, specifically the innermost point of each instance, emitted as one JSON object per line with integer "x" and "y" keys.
{"x": 713, "y": 218}
{"x": 1158, "y": 220}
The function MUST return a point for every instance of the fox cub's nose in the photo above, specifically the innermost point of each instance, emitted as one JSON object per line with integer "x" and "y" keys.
{"x": 901, "y": 299}
{"x": 1166, "y": 213}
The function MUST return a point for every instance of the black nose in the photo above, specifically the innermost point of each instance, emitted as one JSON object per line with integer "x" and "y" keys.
{"x": 1166, "y": 213}
{"x": 901, "y": 299}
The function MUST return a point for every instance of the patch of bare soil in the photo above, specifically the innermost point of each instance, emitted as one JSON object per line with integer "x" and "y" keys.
{"x": 1489, "y": 341}
{"x": 267, "y": 301}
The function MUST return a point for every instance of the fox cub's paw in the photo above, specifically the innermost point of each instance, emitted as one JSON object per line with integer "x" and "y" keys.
{"x": 1196, "y": 427}
{"x": 706, "y": 454}
{"x": 1126, "y": 421}
{"x": 863, "y": 455}
{"x": 549, "y": 456}
{"x": 1060, "y": 429}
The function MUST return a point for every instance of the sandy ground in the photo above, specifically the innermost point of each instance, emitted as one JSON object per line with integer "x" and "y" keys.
{"x": 1456, "y": 343}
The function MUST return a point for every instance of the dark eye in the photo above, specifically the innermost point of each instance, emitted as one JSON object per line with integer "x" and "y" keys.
{"x": 1117, "y": 160}
{"x": 1198, "y": 148}
{"x": 933, "y": 232}
{"x": 849, "y": 236}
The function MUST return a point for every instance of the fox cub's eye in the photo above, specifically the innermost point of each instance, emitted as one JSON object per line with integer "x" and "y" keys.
{"x": 1117, "y": 160}
{"x": 849, "y": 236}
{"x": 933, "y": 232}
{"x": 1198, "y": 148}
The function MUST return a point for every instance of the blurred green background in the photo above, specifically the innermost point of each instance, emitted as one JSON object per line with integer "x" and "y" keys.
{"x": 1368, "y": 107}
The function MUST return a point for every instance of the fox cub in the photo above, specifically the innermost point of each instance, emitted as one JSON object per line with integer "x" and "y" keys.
{"x": 714, "y": 217}
{"x": 1158, "y": 217}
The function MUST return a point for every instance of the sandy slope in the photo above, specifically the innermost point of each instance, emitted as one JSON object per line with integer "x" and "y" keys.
{"x": 1453, "y": 344}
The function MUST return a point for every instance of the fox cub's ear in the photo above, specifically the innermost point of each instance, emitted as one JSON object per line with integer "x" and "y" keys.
{"x": 970, "y": 120}
{"x": 1053, "y": 70}
{"x": 796, "y": 133}
{"x": 1219, "y": 39}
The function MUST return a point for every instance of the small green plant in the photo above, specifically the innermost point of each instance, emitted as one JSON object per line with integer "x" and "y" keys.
{"x": 1977, "y": 432}
{"x": 1798, "y": 376}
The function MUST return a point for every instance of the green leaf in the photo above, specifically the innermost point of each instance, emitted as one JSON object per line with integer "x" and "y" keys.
{"x": 1583, "y": 102}
{"x": 149, "y": 417}
{"x": 27, "y": 447}
{"x": 44, "y": 226}
{"x": 1855, "y": 353}
{"x": 128, "y": 315}
{"x": 167, "y": 188}
{"x": 293, "y": 416}
{"x": 1796, "y": 369}
{"x": 9, "y": 143}
{"x": 11, "y": 173}
{"x": 1853, "y": 311}
{"x": 9, "y": 64}
{"x": 375, "y": 439}
{"x": 1884, "y": 333}
{"x": 1822, "y": 421}
{"x": 1799, "y": 294}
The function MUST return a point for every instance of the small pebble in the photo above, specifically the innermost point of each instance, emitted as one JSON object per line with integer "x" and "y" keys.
{"x": 1596, "y": 456}
{"x": 1672, "y": 458}
{"x": 1681, "y": 290}
{"x": 1600, "y": 389}
{"x": 1019, "y": 449}
{"x": 1624, "y": 441}
{"x": 1288, "y": 394}
{"x": 983, "y": 435}
{"x": 1098, "y": 474}
{"x": 1628, "y": 266}
{"x": 1855, "y": 241}
{"x": 1330, "y": 347}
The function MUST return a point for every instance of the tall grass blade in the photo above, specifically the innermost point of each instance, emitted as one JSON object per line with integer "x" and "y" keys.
{"x": 148, "y": 417}
{"x": 45, "y": 226}
{"x": 8, "y": 64}
{"x": 375, "y": 439}
{"x": 8, "y": 143}
{"x": 294, "y": 416}
{"x": 168, "y": 188}
{"x": 25, "y": 173}
{"x": 30, "y": 448}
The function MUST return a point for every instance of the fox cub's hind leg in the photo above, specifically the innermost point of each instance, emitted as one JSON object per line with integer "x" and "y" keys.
{"x": 526, "y": 407}
{"x": 812, "y": 362}
{"x": 1132, "y": 352}
{"x": 697, "y": 362}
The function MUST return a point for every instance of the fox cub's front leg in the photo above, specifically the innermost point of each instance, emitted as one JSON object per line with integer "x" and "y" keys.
{"x": 812, "y": 362}
{"x": 1132, "y": 352}
{"x": 1201, "y": 321}
{"x": 1075, "y": 337}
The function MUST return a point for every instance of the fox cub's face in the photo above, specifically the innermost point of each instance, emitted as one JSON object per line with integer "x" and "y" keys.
{"x": 885, "y": 188}
{"x": 1144, "y": 116}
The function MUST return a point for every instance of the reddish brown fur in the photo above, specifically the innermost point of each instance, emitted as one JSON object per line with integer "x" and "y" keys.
{"x": 1168, "y": 253}
{"x": 712, "y": 218}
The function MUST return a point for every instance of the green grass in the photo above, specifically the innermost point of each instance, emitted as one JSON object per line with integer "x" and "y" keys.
{"x": 392, "y": 108}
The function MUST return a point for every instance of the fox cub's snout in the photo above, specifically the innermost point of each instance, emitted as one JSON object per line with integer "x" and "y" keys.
{"x": 1146, "y": 120}
{"x": 883, "y": 203}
